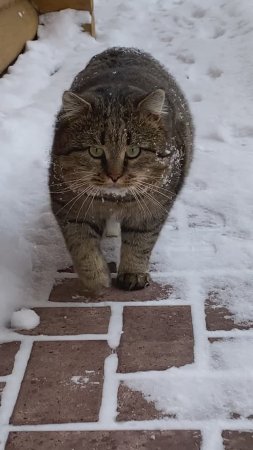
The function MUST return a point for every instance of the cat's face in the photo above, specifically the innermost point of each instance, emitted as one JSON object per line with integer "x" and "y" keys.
{"x": 114, "y": 147}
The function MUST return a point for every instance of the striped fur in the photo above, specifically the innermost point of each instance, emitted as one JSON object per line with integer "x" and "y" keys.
{"x": 123, "y": 98}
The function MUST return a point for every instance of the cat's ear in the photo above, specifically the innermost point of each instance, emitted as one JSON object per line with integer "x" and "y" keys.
{"x": 154, "y": 103}
{"x": 73, "y": 104}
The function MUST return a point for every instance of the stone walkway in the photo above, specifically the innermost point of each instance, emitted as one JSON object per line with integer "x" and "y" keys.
{"x": 74, "y": 364}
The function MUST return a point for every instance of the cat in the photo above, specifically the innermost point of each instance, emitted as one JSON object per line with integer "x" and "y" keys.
{"x": 122, "y": 148}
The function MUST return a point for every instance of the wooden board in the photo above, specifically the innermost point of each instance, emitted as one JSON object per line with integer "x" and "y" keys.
{"x": 18, "y": 23}
{"x": 44, "y": 6}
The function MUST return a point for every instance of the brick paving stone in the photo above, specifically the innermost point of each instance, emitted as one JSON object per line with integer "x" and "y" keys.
{"x": 2, "y": 385}
{"x": 8, "y": 352}
{"x": 237, "y": 440}
{"x": 69, "y": 290}
{"x": 105, "y": 440}
{"x": 155, "y": 338}
{"x": 67, "y": 321}
{"x": 63, "y": 383}
{"x": 220, "y": 318}
{"x": 133, "y": 406}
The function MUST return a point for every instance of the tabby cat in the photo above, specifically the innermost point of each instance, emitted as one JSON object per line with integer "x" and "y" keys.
{"x": 122, "y": 148}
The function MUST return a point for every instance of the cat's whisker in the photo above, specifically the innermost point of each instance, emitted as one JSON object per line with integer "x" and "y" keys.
{"x": 86, "y": 175}
{"x": 92, "y": 199}
{"x": 157, "y": 188}
{"x": 77, "y": 198}
{"x": 91, "y": 202}
{"x": 88, "y": 195}
{"x": 154, "y": 191}
{"x": 146, "y": 180}
{"x": 154, "y": 200}
{"x": 74, "y": 199}
{"x": 72, "y": 179}
{"x": 79, "y": 184}
{"x": 142, "y": 202}
{"x": 138, "y": 201}
{"x": 71, "y": 182}
{"x": 160, "y": 206}
{"x": 157, "y": 205}
{"x": 67, "y": 189}
{"x": 66, "y": 204}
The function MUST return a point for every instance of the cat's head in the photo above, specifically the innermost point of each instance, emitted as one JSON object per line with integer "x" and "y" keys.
{"x": 113, "y": 141}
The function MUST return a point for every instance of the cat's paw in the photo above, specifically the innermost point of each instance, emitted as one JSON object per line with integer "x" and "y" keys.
{"x": 95, "y": 285}
{"x": 133, "y": 281}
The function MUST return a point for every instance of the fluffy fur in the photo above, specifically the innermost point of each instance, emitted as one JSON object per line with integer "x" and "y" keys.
{"x": 123, "y": 101}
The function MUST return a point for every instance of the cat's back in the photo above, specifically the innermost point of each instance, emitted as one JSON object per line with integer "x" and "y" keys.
{"x": 124, "y": 66}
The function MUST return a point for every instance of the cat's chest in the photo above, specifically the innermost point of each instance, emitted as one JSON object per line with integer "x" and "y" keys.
{"x": 113, "y": 208}
{"x": 112, "y": 228}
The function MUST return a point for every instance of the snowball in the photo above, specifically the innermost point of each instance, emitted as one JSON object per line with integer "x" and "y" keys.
{"x": 25, "y": 319}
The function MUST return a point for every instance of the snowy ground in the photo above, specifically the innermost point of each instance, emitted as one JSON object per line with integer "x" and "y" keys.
{"x": 208, "y": 241}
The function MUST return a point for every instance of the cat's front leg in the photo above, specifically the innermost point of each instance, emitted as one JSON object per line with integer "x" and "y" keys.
{"x": 136, "y": 247}
{"x": 83, "y": 242}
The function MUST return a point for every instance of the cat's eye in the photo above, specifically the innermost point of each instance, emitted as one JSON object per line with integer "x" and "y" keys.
{"x": 96, "y": 152}
{"x": 133, "y": 152}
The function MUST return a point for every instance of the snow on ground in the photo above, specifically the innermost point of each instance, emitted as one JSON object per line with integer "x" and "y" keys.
{"x": 208, "y": 242}
{"x": 200, "y": 396}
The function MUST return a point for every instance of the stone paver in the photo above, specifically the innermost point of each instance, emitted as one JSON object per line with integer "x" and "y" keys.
{"x": 155, "y": 338}
{"x": 237, "y": 440}
{"x": 106, "y": 440}
{"x": 64, "y": 378}
{"x": 133, "y": 406}
{"x": 70, "y": 290}
{"x": 63, "y": 383}
{"x": 220, "y": 318}
{"x": 67, "y": 321}
{"x": 8, "y": 352}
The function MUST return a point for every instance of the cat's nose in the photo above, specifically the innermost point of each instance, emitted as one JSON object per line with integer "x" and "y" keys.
{"x": 114, "y": 176}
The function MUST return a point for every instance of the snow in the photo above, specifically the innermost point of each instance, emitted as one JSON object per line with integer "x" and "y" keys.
{"x": 115, "y": 325}
{"x": 232, "y": 354}
{"x": 198, "y": 396}
{"x": 207, "y": 243}
{"x": 10, "y": 392}
{"x": 25, "y": 319}
{"x": 208, "y": 49}
{"x": 108, "y": 409}
{"x": 82, "y": 381}
{"x": 235, "y": 294}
